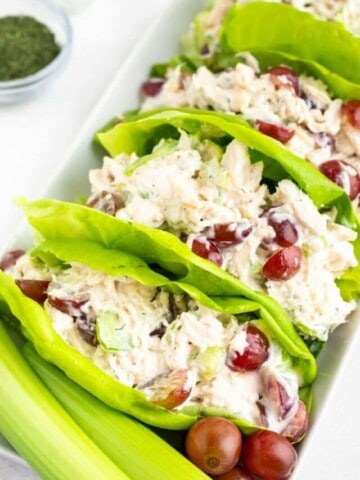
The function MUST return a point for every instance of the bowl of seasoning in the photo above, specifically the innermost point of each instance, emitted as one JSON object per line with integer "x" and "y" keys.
{"x": 35, "y": 42}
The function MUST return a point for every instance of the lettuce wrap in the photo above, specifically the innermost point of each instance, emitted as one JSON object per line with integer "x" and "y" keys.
{"x": 143, "y": 131}
{"x": 97, "y": 259}
{"x": 306, "y": 43}
{"x": 132, "y": 185}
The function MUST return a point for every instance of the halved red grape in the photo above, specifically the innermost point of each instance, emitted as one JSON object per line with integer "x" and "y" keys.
{"x": 284, "y": 77}
{"x": 297, "y": 427}
{"x": 285, "y": 230}
{"x": 207, "y": 249}
{"x": 237, "y": 473}
{"x": 275, "y": 395}
{"x": 86, "y": 325}
{"x": 343, "y": 174}
{"x": 351, "y": 110}
{"x": 34, "y": 289}
{"x": 103, "y": 201}
{"x": 10, "y": 258}
{"x": 273, "y": 130}
{"x": 170, "y": 390}
{"x": 269, "y": 455}
{"x": 152, "y": 87}
{"x": 284, "y": 264}
{"x": 214, "y": 445}
{"x": 253, "y": 355}
{"x": 69, "y": 306}
{"x": 226, "y": 234}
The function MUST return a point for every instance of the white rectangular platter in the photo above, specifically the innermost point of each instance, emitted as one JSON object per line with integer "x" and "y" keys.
{"x": 319, "y": 452}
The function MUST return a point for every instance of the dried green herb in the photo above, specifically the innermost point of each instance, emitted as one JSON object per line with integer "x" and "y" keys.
{"x": 26, "y": 46}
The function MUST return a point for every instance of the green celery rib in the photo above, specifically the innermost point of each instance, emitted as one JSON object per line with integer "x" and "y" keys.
{"x": 38, "y": 427}
{"x": 138, "y": 451}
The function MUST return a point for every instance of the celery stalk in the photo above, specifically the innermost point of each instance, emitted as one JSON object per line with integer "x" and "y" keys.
{"x": 40, "y": 430}
{"x": 138, "y": 451}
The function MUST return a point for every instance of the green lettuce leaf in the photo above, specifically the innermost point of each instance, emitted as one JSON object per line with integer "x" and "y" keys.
{"x": 195, "y": 39}
{"x": 165, "y": 147}
{"x": 144, "y": 131}
{"x": 37, "y": 326}
{"x": 349, "y": 283}
{"x": 327, "y": 44}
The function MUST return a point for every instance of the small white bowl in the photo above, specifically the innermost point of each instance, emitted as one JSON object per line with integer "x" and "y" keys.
{"x": 55, "y": 18}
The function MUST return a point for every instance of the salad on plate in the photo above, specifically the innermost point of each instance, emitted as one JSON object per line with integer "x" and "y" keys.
{"x": 215, "y": 254}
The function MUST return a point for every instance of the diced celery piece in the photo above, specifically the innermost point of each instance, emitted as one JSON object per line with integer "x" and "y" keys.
{"x": 109, "y": 332}
{"x": 210, "y": 361}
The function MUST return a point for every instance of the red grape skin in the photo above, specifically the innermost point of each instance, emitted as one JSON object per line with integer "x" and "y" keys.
{"x": 226, "y": 234}
{"x": 214, "y": 445}
{"x": 207, "y": 249}
{"x": 171, "y": 390}
{"x": 268, "y": 455}
{"x": 237, "y": 473}
{"x": 254, "y": 354}
{"x": 68, "y": 306}
{"x": 275, "y": 394}
{"x": 152, "y": 87}
{"x": 284, "y": 264}
{"x": 285, "y": 230}
{"x": 34, "y": 289}
{"x": 208, "y": 244}
{"x": 284, "y": 77}
{"x": 278, "y": 132}
{"x": 10, "y": 258}
{"x": 86, "y": 326}
{"x": 351, "y": 110}
{"x": 298, "y": 425}
{"x": 336, "y": 170}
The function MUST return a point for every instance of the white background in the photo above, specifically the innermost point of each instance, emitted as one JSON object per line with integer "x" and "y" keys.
{"x": 35, "y": 135}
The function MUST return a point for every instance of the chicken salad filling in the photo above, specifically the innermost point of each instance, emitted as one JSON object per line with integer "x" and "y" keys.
{"x": 174, "y": 350}
{"x": 214, "y": 200}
